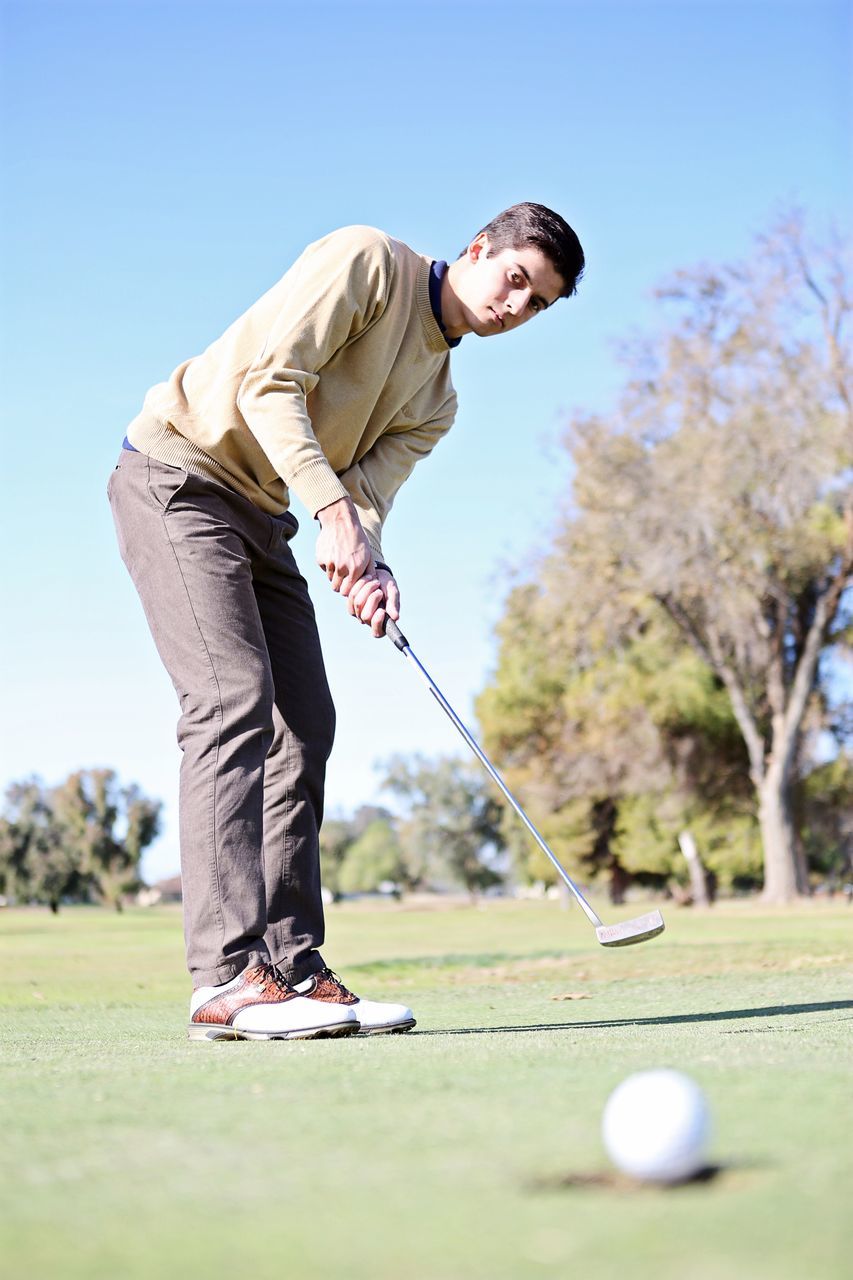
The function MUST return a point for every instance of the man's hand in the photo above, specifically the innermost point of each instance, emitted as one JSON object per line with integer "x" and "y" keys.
{"x": 343, "y": 552}
{"x": 374, "y": 599}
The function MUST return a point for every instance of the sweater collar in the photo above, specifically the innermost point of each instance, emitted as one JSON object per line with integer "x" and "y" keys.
{"x": 432, "y": 327}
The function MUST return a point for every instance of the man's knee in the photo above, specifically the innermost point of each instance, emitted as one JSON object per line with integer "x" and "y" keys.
{"x": 310, "y": 734}
{"x": 239, "y": 709}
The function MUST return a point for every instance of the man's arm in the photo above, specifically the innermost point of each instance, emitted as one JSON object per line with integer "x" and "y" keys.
{"x": 336, "y": 290}
{"x": 373, "y": 483}
{"x": 375, "y": 480}
{"x": 343, "y": 552}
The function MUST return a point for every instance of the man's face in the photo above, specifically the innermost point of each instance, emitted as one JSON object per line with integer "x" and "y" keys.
{"x": 503, "y": 290}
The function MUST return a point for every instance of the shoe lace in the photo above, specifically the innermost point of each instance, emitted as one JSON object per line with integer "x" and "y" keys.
{"x": 268, "y": 975}
{"x": 333, "y": 977}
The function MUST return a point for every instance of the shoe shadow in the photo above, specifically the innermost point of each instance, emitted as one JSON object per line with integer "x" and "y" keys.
{"x": 768, "y": 1011}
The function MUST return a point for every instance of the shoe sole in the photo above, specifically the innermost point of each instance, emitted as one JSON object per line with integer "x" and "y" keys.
{"x": 213, "y": 1031}
{"x": 390, "y": 1028}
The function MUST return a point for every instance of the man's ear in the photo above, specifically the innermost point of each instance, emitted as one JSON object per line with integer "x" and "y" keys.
{"x": 479, "y": 245}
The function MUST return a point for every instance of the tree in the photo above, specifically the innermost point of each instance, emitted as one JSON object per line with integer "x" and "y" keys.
{"x": 81, "y": 840}
{"x": 375, "y": 858}
{"x": 35, "y": 864}
{"x": 825, "y": 804}
{"x": 337, "y": 835}
{"x": 724, "y": 494}
{"x": 452, "y": 824}
{"x": 617, "y": 737}
{"x": 106, "y": 828}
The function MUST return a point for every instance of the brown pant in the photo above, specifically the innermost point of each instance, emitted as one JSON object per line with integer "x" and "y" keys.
{"x": 234, "y": 626}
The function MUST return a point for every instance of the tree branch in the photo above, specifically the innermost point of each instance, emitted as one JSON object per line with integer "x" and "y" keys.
{"x": 826, "y": 607}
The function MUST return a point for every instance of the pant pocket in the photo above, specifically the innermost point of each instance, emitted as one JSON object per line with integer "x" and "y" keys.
{"x": 165, "y": 482}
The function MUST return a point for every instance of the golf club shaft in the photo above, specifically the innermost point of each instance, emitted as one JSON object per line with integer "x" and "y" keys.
{"x": 394, "y": 633}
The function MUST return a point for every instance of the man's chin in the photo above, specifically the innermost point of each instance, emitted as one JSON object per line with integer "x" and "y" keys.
{"x": 488, "y": 327}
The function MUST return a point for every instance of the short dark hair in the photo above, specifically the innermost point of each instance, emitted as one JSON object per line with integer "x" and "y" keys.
{"x": 534, "y": 224}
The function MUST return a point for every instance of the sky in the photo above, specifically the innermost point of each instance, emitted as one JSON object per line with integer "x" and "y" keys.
{"x": 163, "y": 164}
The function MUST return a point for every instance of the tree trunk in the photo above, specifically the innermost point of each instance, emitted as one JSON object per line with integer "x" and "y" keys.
{"x": 783, "y": 872}
{"x": 698, "y": 874}
{"x": 619, "y": 882}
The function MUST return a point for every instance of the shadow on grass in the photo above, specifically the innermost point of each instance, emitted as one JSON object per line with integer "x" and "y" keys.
{"x": 462, "y": 960}
{"x": 726, "y": 1015}
{"x": 622, "y": 1183}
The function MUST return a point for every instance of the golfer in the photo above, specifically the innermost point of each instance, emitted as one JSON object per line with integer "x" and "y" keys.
{"x": 331, "y": 386}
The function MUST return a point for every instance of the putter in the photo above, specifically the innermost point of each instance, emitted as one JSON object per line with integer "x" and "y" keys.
{"x": 609, "y": 935}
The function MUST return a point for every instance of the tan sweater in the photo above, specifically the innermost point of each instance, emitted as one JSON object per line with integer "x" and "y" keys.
{"x": 335, "y": 382}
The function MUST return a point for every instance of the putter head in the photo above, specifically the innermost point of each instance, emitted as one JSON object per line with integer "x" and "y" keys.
{"x": 630, "y": 931}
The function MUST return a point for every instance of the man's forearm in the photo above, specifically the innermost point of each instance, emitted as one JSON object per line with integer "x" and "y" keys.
{"x": 343, "y": 552}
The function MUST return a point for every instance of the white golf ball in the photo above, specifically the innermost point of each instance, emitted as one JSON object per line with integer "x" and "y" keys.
{"x": 656, "y": 1126}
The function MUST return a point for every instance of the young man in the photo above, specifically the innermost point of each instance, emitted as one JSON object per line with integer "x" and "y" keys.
{"x": 332, "y": 386}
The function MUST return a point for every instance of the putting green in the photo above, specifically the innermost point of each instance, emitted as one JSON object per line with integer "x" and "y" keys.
{"x": 468, "y": 1148}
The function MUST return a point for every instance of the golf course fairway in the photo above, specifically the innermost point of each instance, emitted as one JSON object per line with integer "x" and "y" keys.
{"x": 467, "y": 1148}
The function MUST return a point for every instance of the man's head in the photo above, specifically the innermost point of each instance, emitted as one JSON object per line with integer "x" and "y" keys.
{"x": 517, "y": 266}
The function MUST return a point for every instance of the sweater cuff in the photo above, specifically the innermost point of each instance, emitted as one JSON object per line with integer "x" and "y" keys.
{"x": 316, "y": 485}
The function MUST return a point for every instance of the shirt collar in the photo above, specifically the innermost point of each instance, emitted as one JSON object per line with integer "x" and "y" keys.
{"x": 436, "y": 273}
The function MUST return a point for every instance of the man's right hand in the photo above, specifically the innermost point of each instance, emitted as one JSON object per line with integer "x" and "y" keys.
{"x": 343, "y": 552}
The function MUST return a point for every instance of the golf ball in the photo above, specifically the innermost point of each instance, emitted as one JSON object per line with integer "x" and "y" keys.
{"x": 656, "y": 1126}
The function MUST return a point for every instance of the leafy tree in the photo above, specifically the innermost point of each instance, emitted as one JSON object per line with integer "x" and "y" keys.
{"x": 35, "y": 863}
{"x": 452, "y": 829}
{"x": 81, "y": 840}
{"x": 106, "y": 828}
{"x": 337, "y": 835}
{"x": 825, "y": 804}
{"x": 371, "y": 860}
{"x": 597, "y": 721}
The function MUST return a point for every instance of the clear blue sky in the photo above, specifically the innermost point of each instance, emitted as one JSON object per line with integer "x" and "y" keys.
{"x": 162, "y": 165}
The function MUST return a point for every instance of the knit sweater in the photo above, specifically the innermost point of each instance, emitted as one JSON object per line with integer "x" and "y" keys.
{"x": 334, "y": 383}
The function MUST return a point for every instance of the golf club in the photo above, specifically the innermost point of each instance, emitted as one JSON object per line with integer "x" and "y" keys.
{"x": 609, "y": 935}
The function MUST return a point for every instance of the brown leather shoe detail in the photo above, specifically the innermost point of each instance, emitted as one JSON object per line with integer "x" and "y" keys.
{"x": 262, "y": 984}
{"x": 329, "y": 988}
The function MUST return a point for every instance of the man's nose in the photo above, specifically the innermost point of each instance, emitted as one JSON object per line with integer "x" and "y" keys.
{"x": 517, "y": 302}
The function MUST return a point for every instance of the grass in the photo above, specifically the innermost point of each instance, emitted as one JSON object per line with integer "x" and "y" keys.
{"x": 468, "y": 1148}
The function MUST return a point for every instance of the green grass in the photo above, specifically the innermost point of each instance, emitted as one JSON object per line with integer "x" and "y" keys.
{"x": 469, "y": 1148}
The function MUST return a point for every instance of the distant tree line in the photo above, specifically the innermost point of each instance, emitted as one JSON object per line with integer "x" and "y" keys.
{"x": 447, "y": 836}
{"x": 81, "y": 841}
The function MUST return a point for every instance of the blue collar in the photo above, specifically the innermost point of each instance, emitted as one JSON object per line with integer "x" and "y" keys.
{"x": 436, "y": 272}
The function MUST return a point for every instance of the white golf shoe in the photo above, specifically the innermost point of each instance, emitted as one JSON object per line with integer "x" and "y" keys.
{"x": 374, "y": 1017}
{"x": 259, "y": 1004}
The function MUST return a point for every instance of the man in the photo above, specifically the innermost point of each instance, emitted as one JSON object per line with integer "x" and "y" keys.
{"x": 333, "y": 385}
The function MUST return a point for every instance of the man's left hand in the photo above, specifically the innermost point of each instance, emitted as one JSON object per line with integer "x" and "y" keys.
{"x": 374, "y": 599}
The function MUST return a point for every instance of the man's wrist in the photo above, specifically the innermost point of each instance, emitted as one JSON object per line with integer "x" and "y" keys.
{"x": 341, "y": 506}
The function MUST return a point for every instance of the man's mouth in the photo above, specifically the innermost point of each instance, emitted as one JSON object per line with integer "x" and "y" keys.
{"x": 497, "y": 317}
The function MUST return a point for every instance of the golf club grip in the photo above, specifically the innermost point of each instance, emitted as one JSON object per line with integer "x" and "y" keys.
{"x": 394, "y": 633}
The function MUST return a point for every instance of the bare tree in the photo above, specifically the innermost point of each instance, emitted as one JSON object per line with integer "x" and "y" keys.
{"x": 723, "y": 490}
